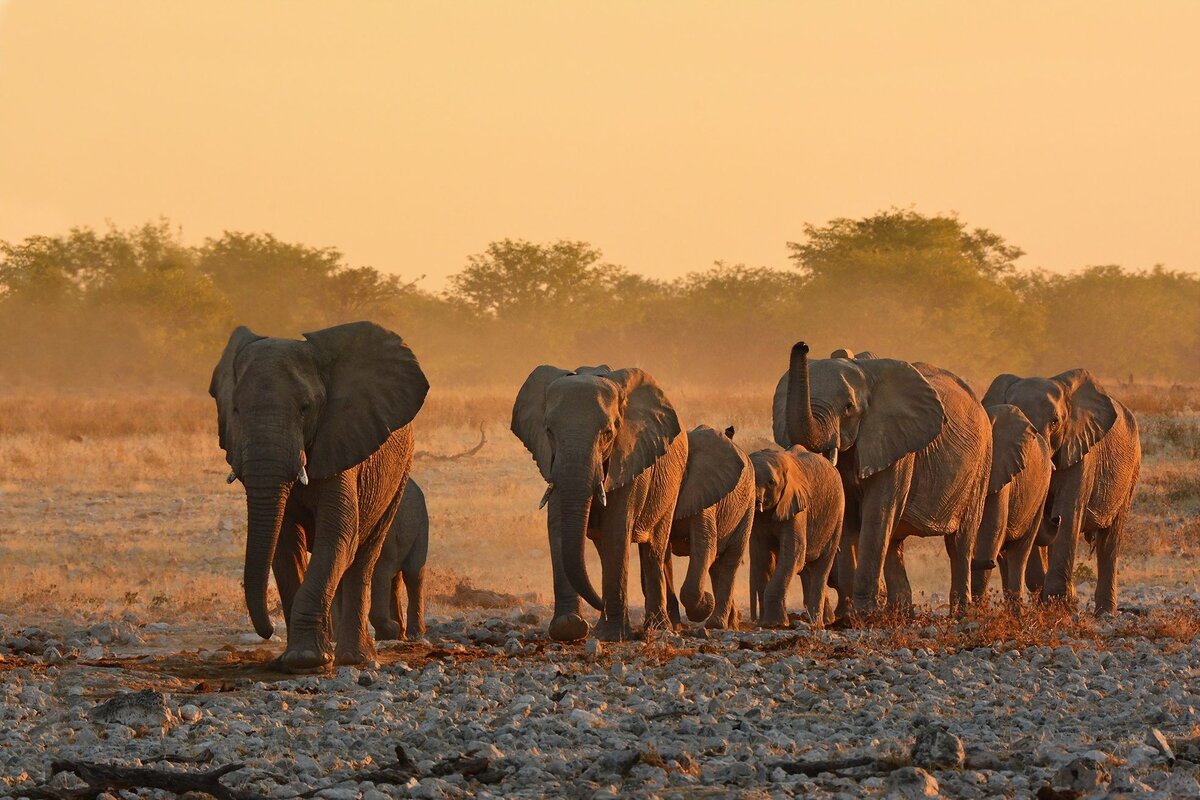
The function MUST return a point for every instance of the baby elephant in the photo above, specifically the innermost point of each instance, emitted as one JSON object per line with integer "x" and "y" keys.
{"x": 712, "y": 524}
{"x": 797, "y": 529}
{"x": 1020, "y": 479}
{"x": 403, "y": 555}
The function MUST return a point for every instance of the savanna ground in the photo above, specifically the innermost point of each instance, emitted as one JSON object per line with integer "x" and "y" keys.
{"x": 116, "y": 513}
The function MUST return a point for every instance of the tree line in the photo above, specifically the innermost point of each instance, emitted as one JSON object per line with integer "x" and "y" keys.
{"x": 138, "y": 307}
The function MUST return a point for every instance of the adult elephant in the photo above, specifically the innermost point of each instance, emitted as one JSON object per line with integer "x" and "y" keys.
{"x": 610, "y": 447}
{"x": 318, "y": 433}
{"x": 914, "y": 446}
{"x": 1097, "y": 457}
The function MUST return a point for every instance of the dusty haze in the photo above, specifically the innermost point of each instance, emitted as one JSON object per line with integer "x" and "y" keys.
{"x": 670, "y": 134}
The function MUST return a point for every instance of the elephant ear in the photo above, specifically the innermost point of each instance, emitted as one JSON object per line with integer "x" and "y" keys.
{"x": 714, "y": 467}
{"x": 529, "y": 415}
{"x": 864, "y": 355}
{"x": 648, "y": 428}
{"x": 373, "y": 386}
{"x": 997, "y": 393}
{"x": 223, "y": 381}
{"x": 779, "y": 413}
{"x": 1093, "y": 414}
{"x": 1012, "y": 437}
{"x": 904, "y": 415}
{"x": 791, "y": 484}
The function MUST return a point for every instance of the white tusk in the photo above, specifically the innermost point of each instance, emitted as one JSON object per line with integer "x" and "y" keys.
{"x": 832, "y": 456}
{"x": 231, "y": 477}
{"x": 760, "y": 506}
{"x": 601, "y": 496}
{"x": 546, "y": 496}
{"x": 303, "y": 476}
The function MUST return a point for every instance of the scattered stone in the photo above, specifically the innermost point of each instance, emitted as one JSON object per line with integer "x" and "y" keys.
{"x": 937, "y": 748}
{"x": 911, "y": 782}
{"x": 1082, "y": 775}
{"x": 144, "y": 711}
{"x": 1155, "y": 738}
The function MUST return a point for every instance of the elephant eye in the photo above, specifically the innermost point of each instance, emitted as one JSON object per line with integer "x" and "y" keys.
{"x": 849, "y": 407}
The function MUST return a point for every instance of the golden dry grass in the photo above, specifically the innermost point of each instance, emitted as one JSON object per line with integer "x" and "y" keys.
{"x": 117, "y": 503}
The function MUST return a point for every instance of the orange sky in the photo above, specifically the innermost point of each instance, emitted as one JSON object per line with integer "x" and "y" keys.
{"x": 670, "y": 134}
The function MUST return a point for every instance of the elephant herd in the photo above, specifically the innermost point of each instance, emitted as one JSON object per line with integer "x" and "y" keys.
{"x": 872, "y": 451}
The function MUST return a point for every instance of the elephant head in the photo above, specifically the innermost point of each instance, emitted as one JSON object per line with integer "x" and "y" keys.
{"x": 778, "y": 498}
{"x": 289, "y": 411}
{"x": 590, "y": 431}
{"x": 1070, "y": 410}
{"x": 881, "y": 407}
{"x": 777, "y": 484}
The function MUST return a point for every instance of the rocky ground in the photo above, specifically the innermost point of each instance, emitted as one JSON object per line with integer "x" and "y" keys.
{"x": 486, "y": 707}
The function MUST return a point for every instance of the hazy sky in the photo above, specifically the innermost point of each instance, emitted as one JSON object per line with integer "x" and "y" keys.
{"x": 670, "y": 134}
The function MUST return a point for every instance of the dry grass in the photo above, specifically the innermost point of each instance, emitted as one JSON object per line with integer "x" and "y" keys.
{"x": 117, "y": 503}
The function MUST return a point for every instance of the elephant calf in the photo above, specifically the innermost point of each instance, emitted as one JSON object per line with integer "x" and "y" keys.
{"x": 712, "y": 524}
{"x": 1017, "y": 487}
{"x": 797, "y": 529}
{"x": 402, "y": 560}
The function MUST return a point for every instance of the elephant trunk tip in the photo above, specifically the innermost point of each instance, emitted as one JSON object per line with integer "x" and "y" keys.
{"x": 800, "y": 348}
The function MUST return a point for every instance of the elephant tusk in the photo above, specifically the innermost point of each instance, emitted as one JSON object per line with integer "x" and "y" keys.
{"x": 303, "y": 476}
{"x": 760, "y": 506}
{"x": 231, "y": 477}
{"x": 600, "y": 495}
{"x": 546, "y": 496}
{"x": 832, "y": 455}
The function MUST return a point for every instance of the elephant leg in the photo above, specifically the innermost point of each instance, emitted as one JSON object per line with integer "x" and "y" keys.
{"x": 724, "y": 571}
{"x": 959, "y": 547}
{"x": 651, "y": 559}
{"x": 1035, "y": 573}
{"x": 384, "y": 616}
{"x": 816, "y": 599}
{"x": 568, "y": 624}
{"x": 672, "y": 598}
{"x": 1066, "y": 520}
{"x": 695, "y": 594}
{"x": 895, "y": 577}
{"x": 1108, "y": 548}
{"x": 880, "y": 510}
{"x": 1015, "y": 566}
{"x": 414, "y": 586}
{"x": 614, "y": 624}
{"x": 290, "y": 562}
{"x": 762, "y": 562}
{"x": 792, "y": 547}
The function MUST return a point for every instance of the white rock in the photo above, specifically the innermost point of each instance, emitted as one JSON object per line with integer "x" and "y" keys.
{"x": 911, "y": 782}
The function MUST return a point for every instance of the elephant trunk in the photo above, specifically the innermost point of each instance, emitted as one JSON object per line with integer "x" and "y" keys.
{"x": 694, "y": 594}
{"x": 992, "y": 535}
{"x": 761, "y": 562}
{"x": 264, "y": 514}
{"x": 574, "y": 481}
{"x": 803, "y": 427}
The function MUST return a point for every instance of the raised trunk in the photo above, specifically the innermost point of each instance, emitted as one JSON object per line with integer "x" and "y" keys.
{"x": 804, "y": 428}
{"x": 264, "y": 515}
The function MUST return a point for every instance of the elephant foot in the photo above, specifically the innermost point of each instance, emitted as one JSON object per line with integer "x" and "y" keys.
{"x": 415, "y": 631}
{"x": 388, "y": 631}
{"x": 353, "y": 654}
{"x": 703, "y": 609}
{"x": 303, "y": 662}
{"x": 773, "y": 615}
{"x": 568, "y": 628}
{"x": 657, "y": 621}
{"x": 614, "y": 630}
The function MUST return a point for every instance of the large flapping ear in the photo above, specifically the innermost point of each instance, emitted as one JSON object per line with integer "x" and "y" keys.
{"x": 1093, "y": 414}
{"x": 997, "y": 393}
{"x": 529, "y": 415}
{"x": 714, "y": 467}
{"x": 779, "y": 413}
{"x": 647, "y": 429}
{"x": 223, "y": 380}
{"x": 373, "y": 386}
{"x": 1012, "y": 436}
{"x": 791, "y": 483}
{"x": 904, "y": 414}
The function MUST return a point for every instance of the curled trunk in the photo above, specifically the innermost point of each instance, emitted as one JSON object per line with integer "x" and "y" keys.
{"x": 810, "y": 431}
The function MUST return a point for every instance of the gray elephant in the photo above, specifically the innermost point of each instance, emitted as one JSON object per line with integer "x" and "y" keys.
{"x": 1097, "y": 457}
{"x": 610, "y": 447}
{"x": 402, "y": 561}
{"x": 1012, "y": 513}
{"x": 318, "y": 433}
{"x": 914, "y": 446}
{"x": 712, "y": 524}
{"x": 797, "y": 529}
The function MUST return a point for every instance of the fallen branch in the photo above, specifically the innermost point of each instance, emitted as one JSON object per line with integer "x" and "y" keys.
{"x": 101, "y": 778}
{"x": 425, "y": 455}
